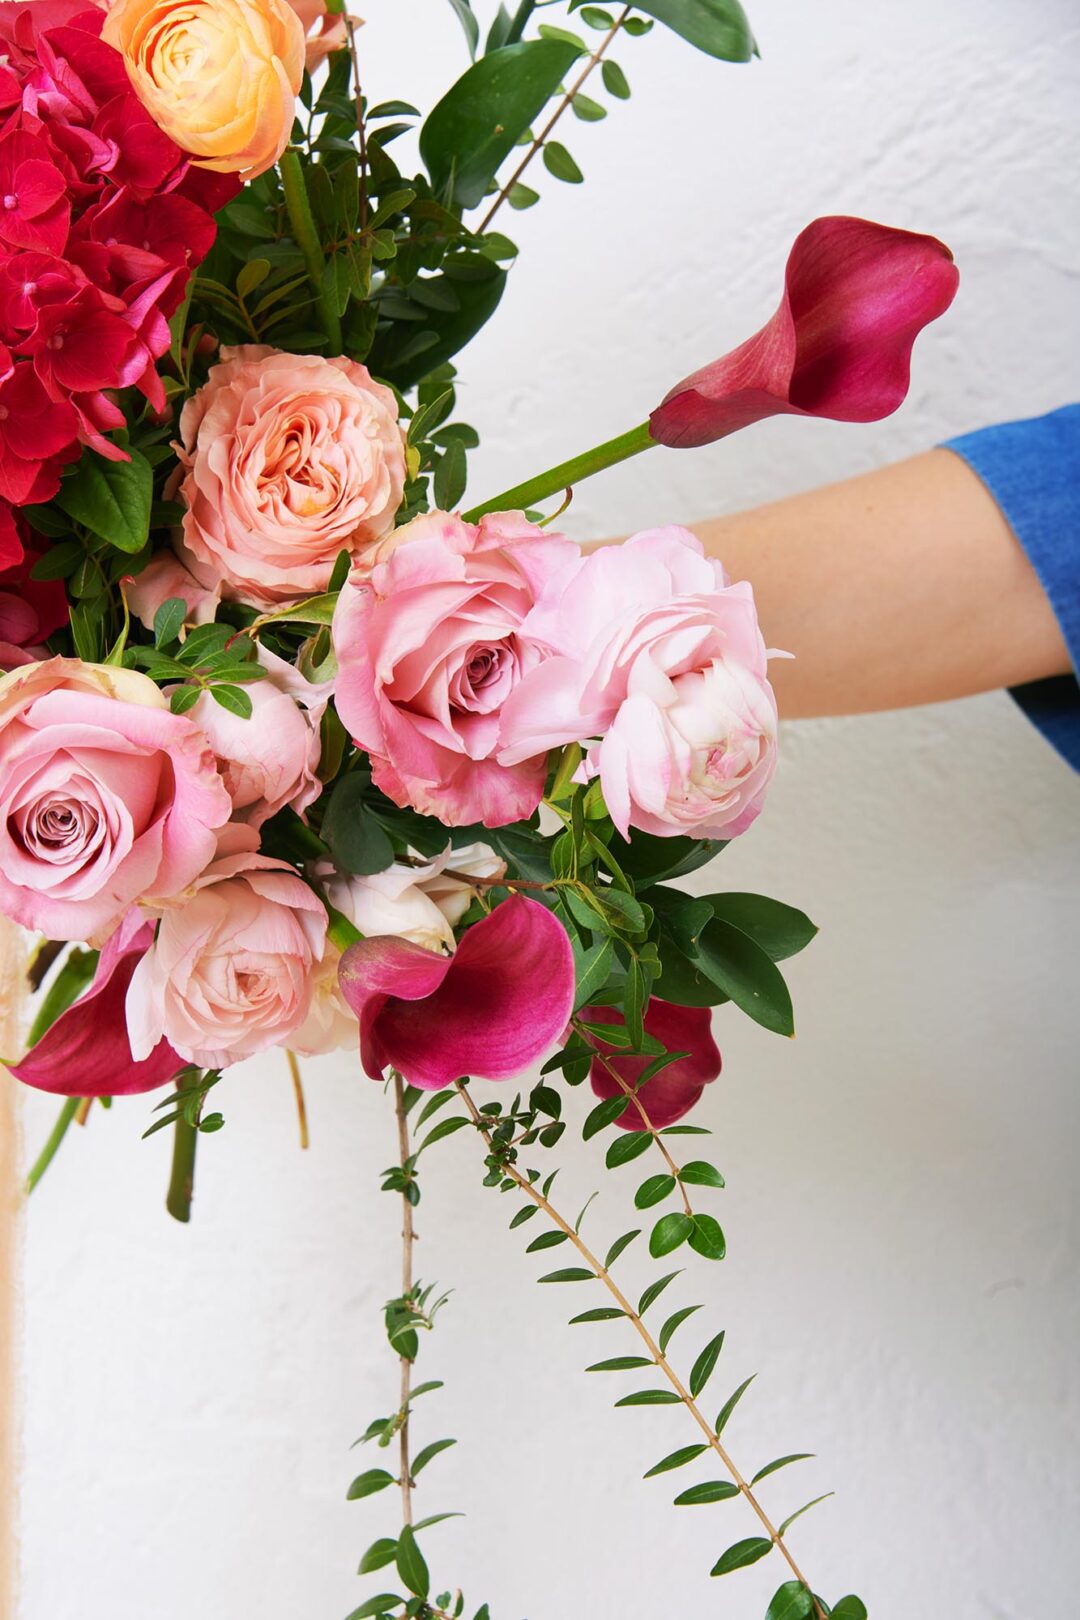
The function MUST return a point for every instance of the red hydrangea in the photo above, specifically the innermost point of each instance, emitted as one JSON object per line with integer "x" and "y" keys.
{"x": 102, "y": 219}
{"x": 30, "y": 609}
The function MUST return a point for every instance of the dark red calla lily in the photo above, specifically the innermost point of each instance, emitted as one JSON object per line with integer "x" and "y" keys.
{"x": 86, "y": 1052}
{"x": 490, "y": 1010}
{"x": 856, "y": 296}
{"x": 673, "y": 1091}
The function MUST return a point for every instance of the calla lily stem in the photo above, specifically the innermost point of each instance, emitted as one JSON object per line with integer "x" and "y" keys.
{"x": 182, "y": 1176}
{"x": 56, "y": 1136}
{"x": 566, "y": 474}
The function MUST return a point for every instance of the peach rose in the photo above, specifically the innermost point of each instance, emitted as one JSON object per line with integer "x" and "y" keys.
{"x": 220, "y": 77}
{"x": 231, "y": 970}
{"x": 289, "y": 460}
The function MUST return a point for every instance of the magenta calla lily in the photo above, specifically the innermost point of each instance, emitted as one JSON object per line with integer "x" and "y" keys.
{"x": 86, "y": 1052}
{"x": 488, "y": 1011}
{"x": 856, "y": 296}
{"x": 673, "y": 1091}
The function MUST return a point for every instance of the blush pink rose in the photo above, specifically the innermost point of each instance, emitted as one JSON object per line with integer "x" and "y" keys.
{"x": 270, "y": 759}
{"x": 289, "y": 459}
{"x": 230, "y": 972}
{"x": 660, "y": 658}
{"x": 430, "y": 648}
{"x": 106, "y": 798}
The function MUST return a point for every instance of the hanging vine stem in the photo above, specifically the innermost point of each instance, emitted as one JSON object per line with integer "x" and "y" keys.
{"x": 566, "y": 101}
{"x": 658, "y": 1357}
{"x": 408, "y": 1238}
{"x": 647, "y": 1124}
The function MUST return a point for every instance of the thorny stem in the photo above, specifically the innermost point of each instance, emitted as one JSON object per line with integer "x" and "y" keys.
{"x": 661, "y": 1361}
{"x": 633, "y": 1097}
{"x": 553, "y": 120}
{"x": 408, "y": 1236}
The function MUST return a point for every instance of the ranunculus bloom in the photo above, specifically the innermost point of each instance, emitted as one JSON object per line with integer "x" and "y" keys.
{"x": 289, "y": 460}
{"x": 106, "y": 798}
{"x": 658, "y": 656}
{"x": 430, "y": 648}
{"x": 856, "y": 296}
{"x": 673, "y": 1091}
{"x": 86, "y": 1053}
{"x": 488, "y": 1011}
{"x": 220, "y": 77}
{"x": 230, "y": 972}
{"x": 268, "y": 760}
{"x": 423, "y": 903}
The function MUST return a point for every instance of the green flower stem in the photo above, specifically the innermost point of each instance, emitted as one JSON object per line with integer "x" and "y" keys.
{"x": 56, "y": 1136}
{"x": 307, "y": 239}
{"x": 182, "y": 1177}
{"x": 567, "y": 473}
{"x": 340, "y": 931}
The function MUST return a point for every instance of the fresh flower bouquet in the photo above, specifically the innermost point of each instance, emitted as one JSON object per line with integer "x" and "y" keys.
{"x": 301, "y": 745}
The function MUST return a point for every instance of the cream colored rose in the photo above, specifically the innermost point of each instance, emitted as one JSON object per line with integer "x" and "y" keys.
{"x": 218, "y": 76}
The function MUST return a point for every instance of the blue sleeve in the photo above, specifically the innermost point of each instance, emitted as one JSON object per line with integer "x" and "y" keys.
{"x": 1032, "y": 469}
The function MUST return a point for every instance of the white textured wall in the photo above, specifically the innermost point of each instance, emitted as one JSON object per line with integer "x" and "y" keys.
{"x": 901, "y": 1206}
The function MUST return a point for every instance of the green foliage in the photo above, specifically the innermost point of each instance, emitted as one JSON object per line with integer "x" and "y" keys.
{"x": 111, "y": 499}
{"x": 741, "y": 1554}
{"x": 792, "y": 1602}
{"x": 717, "y": 27}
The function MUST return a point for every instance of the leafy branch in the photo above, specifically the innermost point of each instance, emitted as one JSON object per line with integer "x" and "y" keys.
{"x": 408, "y": 1237}
{"x": 567, "y": 101}
{"x": 743, "y": 1553}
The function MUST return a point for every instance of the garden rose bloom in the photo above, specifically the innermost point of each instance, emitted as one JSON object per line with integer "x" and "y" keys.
{"x": 218, "y": 76}
{"x": 431, "y": 647}
{"x": 323, "y": 32}
{"x": 290, "y": 459}
{"x": 423, "y": 903}
{"x": 673, "y": 1091}
{"x": 270, "y": 759}
{"x": 658, "y": 656}
{"x": 106, "y": 798}
{"x": 230, "y": 972}
{"x": 488, "y": 1011}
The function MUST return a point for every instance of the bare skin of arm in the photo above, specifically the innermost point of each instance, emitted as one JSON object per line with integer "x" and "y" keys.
{"x": 899, "y": 587}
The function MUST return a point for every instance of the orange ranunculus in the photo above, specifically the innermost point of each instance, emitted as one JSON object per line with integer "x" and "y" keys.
{"x": 218, "y": 76}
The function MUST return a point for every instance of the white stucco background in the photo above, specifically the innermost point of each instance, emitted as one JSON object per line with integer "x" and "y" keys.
{"x": 901, "y": 1210}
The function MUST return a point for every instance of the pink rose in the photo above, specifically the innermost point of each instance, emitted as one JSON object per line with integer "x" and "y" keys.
{"x": 289, "y": 460}
{"x": 268, "y": 760}
{"x": 230, "y": 972}
{"x": 429, "y": 650}
{"x": 662, "y": 660}
{"x": 106, "y": 798}
{"x": 673, "y": 1091}
{"x": 165, "y": 577}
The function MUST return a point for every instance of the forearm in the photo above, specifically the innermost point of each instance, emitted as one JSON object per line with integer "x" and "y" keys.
{"x": 902, "y": 586}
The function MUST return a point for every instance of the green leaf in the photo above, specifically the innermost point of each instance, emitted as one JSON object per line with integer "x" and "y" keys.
{"x": 849, "y": 1608}
{"x": 588, "y": 110}
{"x": 717, "y": 27}
{"x": 707, "y": 1238}
{"x": 313, "y": 610}
{"x": 469, "y": 23}
{"x": 366, "y": 1484}
{"x": 234, "y": 699}
{"x": 450, "y": 476}
{"x": 755, "y": 984}
{"x": 618, "y": 1246}
{"x": 410, "y": 1564}
{"x": 604, "y": 1114}
{"x": 673, "y": 1322}
{"x": 357, "y": 841}
{"x": 654, "y": 1290}
{"x": 703, "y": 1366}
{"x": 781, "y": 1462}
{"x": 569, "y": 1274}
{"x": 168, "y": 620}
{"x": 650, "y": 1397}
{"x": 111, "y": 498}
{"x": 557, "y": 161}
{"x": 675, "y": 1459}
{"x": 669, "y": 1232}
{"x": 701, "y": 1174}
{"x": 615, "y": 80}
{"x": 741, "y": 1554}
{"x": 478, "y": 122}
{"x": 790, "y": 1520}
{"x": 397, "y": 351}
{"x": 183, "y": 698}
{"x": 602, "y": 1313}
{"x": 627, "y": 1147}
{"x": 792, "y": 1602}
{"x": 382, "y": 1604}
{"x": 654, "y": 1189}
{"x": 620, "y": 1364}
{"x": 251, "y": 275}
{"x": 524, "y": 1215}
{"x": 780, "y": 930}
{"x": 378, "y": 1555}
{"x": 592, "y": 967}
{"x": 445, "y": 1127}
{"x": 711, "y": 1490}
{"x": 546, "y": 1240}
{"x": 732, "y": 1402}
